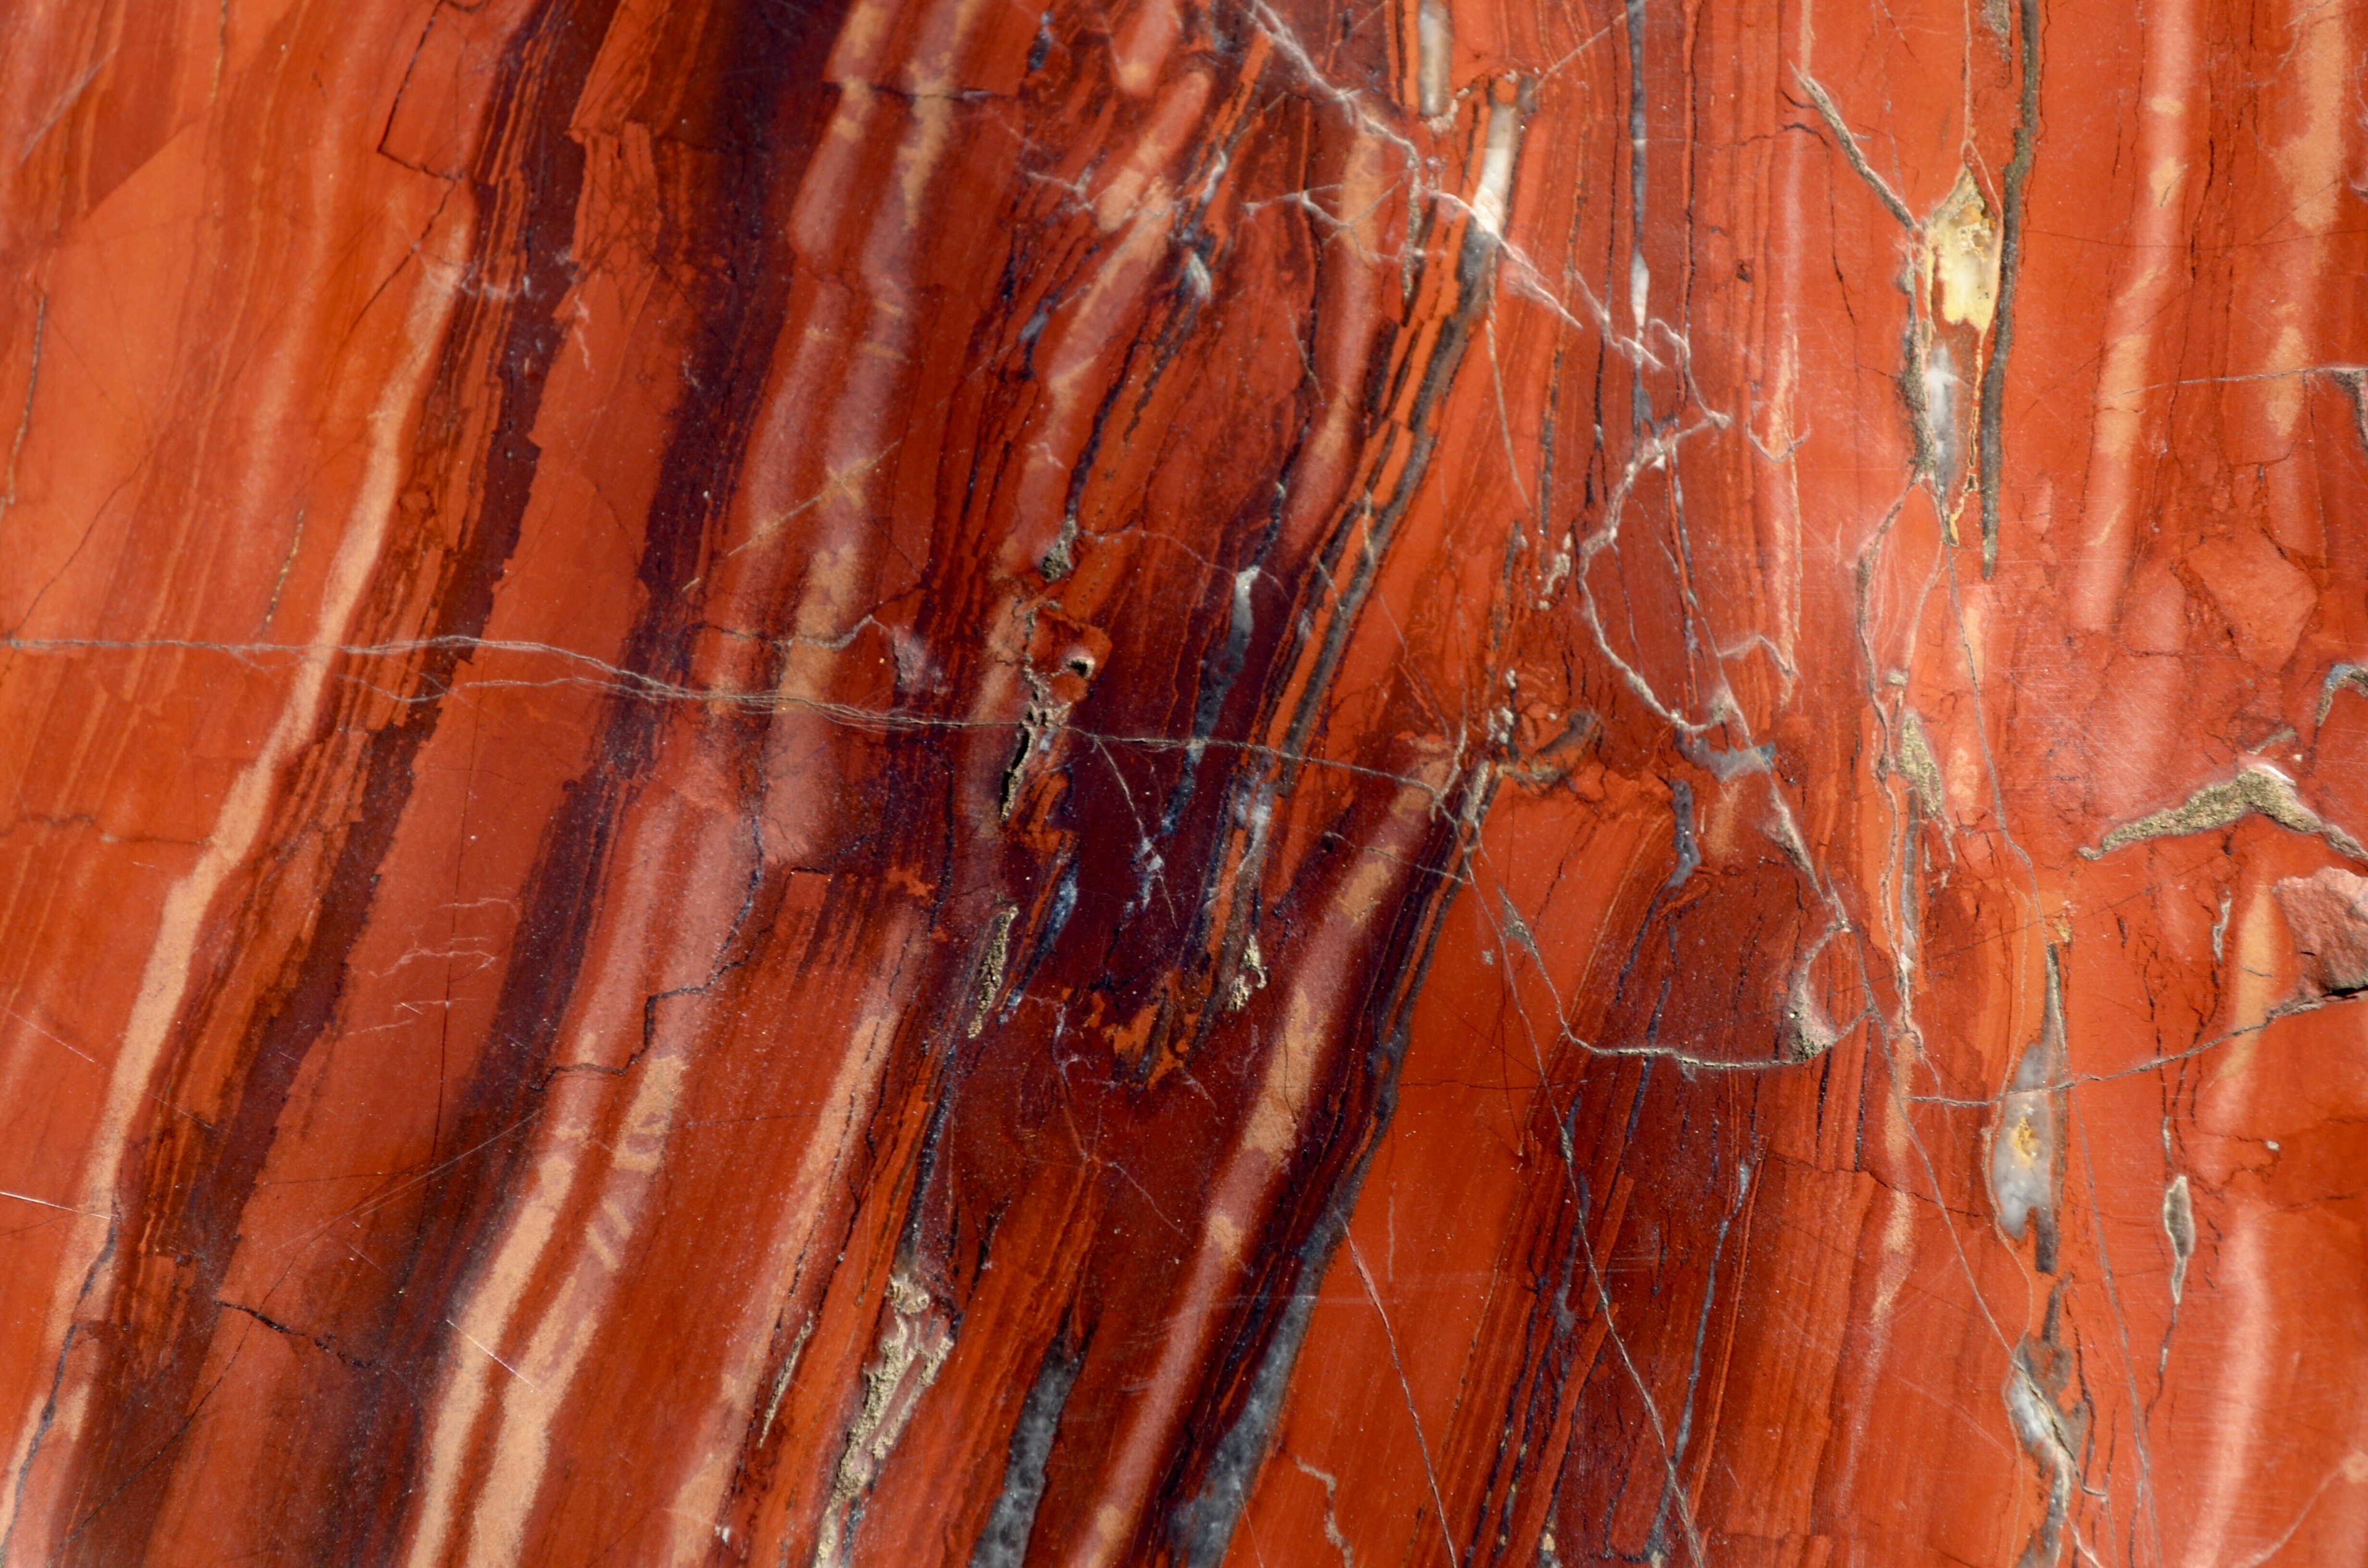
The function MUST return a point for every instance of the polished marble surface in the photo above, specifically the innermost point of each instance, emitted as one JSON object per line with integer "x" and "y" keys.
{"x": 930, "y": 781}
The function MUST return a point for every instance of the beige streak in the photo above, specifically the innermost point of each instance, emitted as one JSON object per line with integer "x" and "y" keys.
{"x": 165, "y": 977}
{"x": 564, "y": 1336}
{"x": 485, "y": 1321}
{"x": 1244, "y": 1188}
{"x": 841, "y": 1120}
{"x": 2156, "y": 239}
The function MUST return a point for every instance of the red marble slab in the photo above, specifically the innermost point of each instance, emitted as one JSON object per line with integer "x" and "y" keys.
{"x": 924, "y": 781}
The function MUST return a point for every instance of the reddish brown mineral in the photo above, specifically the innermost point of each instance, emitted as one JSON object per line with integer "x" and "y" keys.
{"x": 2327, "y": 913}
{"x": 908, "y": 782}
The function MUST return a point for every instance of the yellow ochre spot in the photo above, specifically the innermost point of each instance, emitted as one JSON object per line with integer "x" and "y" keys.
{"x": 1960, "y": 256}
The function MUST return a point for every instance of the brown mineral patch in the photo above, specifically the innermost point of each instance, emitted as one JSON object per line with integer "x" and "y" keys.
{"x": 2327, "y": 913}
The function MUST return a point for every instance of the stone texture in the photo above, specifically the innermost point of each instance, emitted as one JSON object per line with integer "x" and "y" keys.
{"x": 2327, "y": 913}
{"x": 926, "y": 781}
